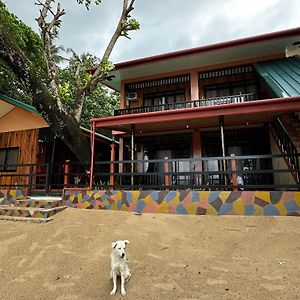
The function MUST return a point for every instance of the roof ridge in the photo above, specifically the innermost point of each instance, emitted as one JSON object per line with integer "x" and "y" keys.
{"x": 20, "y": 104}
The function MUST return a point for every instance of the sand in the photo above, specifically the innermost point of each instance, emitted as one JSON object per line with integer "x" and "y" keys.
{"x": 171, "y": 256}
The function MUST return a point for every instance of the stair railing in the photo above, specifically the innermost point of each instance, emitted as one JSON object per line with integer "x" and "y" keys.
{"x": 286, "y": 145}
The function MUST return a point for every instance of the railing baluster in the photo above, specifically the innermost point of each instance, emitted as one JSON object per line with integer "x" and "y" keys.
{"x": 192, "y": 103}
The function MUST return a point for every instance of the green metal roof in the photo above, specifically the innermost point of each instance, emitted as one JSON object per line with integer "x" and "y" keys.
{"x": 281, "y": 75}
{"x": 19, "y": 104}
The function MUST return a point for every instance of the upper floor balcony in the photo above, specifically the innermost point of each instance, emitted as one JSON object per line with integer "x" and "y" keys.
{"x": 240, "y": 98}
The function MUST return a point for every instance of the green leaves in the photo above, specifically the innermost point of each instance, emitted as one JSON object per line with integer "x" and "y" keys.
{"x": 106, "y": 67}
{"x": 129, "y": 25}
{"x": 31, "y": 45}
{"x": 102, "y": 102}
{"x": 64, "y": 92}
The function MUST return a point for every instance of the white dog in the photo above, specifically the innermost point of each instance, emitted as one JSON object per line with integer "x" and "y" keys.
{"x": 119, "y": 265}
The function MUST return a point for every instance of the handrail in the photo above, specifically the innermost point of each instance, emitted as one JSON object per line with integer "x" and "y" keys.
{"x": 192, "y": 103}
{"x": 184, "y": 173}
{"x": 286, "y": 145}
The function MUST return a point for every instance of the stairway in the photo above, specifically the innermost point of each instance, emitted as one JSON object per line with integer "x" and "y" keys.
{"x": 291, "y": 123}
{"x": 286, "y": 132}
{"x": 34, "y": 209}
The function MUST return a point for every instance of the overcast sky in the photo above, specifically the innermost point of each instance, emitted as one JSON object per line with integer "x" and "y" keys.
{"x": 166, "y": 25}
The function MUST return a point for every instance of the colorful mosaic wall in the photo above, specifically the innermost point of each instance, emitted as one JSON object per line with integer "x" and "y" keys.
{"x": 29, "y": 212}
{"x": 31, "y": 203}
{"x": 14, "y": 204}
{"x": 188, "y": 202}
{"x": 11, "y": 195}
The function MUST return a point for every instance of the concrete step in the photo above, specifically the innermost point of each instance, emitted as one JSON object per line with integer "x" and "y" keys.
{"x": 29, "y": 212}
{"x": 33, "y": 220}
{"x": 39, "y": 202}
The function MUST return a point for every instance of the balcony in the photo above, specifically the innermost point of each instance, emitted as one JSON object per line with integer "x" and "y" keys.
{"x": 192, "y": 103}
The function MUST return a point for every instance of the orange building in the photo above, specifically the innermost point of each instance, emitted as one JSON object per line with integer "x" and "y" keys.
{"x": 31, "y": 154}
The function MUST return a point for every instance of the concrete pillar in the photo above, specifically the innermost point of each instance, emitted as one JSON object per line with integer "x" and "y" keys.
{"x": 122, "y": 96}
{"x": 221, "y": 124}
{"x": 196, "y": 143}
{"x": 194, "y": 85}
{"x": 197, "y": 165}
{"x": 112, "y": 165}
{"x": 132, "y": 154}
{"x": 121, "y": 153}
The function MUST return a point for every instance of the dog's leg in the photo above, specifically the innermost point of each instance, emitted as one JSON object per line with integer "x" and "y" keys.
{"x": 114, "y": 278}
{"x": 127, "y": 275}
{"x": 123, "y": 292}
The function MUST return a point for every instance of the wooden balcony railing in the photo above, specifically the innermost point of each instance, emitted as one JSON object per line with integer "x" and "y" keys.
{"x": 192, "y": 103}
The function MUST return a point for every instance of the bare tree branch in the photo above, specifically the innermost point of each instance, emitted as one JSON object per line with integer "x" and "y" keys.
{"x": 49, "y": 31}
{"x": 98, "y": 76}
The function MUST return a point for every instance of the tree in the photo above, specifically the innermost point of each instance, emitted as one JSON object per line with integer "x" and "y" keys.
{"x": 50, "y": 31}
{"x": 102, "y": 102}
{"x": 31, "y": 45}
{"x": 45, "y": 89}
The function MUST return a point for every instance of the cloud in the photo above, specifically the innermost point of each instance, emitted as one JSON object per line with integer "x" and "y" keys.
{"x": 167, "y": 25}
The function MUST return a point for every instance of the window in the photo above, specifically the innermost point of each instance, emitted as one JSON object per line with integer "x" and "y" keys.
{"x": 164, "y": 98}
{"x": 231, "y": 88}
{"x": 8, "y": 159}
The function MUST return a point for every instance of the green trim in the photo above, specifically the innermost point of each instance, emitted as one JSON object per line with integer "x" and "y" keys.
{"x": 281, "y": 75}
{"x": 19, "y": 104}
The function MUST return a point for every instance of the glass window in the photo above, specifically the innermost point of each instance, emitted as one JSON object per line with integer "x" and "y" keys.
{"x": 148, "y": 102}
{"x": 157, "y": 101}
{"x": 2, "y": 157}
{"x": 223, "y": 91}
{"x": 232, "y": 88}
{"x": 211, "y": 93}
{"x": 167, "y": 97}
{"x": 9, "y": 158}
{"x": 252, "y": 88}
{"x": 180, "y": 97}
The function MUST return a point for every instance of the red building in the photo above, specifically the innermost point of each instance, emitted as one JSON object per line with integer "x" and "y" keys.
{"x": 195, "y": 108}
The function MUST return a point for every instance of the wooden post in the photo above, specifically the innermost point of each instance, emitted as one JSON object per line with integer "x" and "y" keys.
{"x": 49, "y": 169}
{"x": 234, "y": 174}
{"x": 28, "y": 181}
{"x": 112, "y": 165}
{"x": 166, "y": 175}
{"x": 66, "y": 173}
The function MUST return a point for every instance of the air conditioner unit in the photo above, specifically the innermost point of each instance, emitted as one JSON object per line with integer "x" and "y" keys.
{"x": 132, "y": 96}
{"x": 293, "y": 50}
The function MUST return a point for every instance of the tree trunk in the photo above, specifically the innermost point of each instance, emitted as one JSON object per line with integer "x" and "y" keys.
{"x": 64, "y": 126}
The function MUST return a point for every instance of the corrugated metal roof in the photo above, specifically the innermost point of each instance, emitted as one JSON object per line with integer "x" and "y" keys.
{"x": 20, "y": 104}
{"x": 281, "y": 75}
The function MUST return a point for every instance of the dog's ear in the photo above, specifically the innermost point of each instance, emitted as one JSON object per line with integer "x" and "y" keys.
{"x": 126, "y": 242}
{"x": 114, "y": 244}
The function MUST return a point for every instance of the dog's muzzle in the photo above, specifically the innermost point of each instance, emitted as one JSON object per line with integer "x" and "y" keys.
{"x": 123, "y": 254}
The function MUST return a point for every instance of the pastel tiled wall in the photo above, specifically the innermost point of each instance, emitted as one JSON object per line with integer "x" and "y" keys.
{"x": 249, "y": 203}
